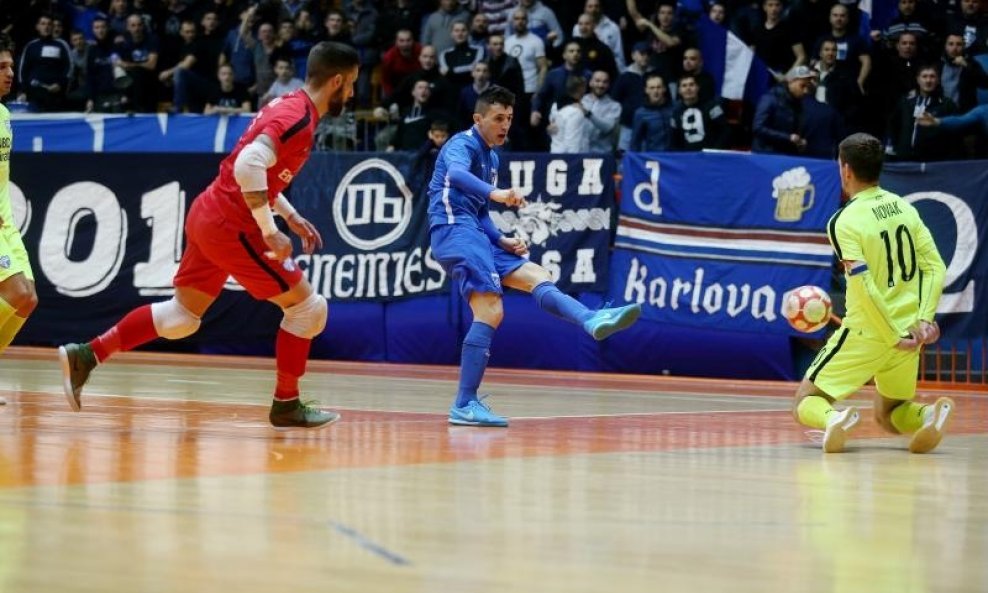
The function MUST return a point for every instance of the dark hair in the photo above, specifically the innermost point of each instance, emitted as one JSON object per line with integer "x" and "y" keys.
{"x": 863, "y": 153}
{"x": 327, "y": 59}
{"x": 494, "y": 95}
{"x": 439, "y": 125}
{"x": 652, "y": 75}
{"x": 6, "y": 44}
{"x": 575, "y": 83}
{"x": 690, "y": 76}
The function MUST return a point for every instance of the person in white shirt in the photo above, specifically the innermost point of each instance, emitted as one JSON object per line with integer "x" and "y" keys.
{"x": 529, "y": 50}
{"x": 606, "y": 30}
{"x": 543, "y": 22}
{"x": 602, "y": 112}
{"x": 569, "y": 125}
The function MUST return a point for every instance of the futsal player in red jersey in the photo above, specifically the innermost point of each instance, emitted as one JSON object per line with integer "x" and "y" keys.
{"x": 230, "y": 231}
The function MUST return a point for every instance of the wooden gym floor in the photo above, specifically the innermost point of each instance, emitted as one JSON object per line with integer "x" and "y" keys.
{"x": 170, "y": 480}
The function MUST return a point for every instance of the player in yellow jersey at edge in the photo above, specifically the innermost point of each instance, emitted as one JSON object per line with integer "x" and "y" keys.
{"x": 894, "y": 280}
{"x": 17, "y": 295}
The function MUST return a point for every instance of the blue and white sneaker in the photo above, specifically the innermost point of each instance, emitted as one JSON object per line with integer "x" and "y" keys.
{"x": 605, "y": 322}
{"x": 475, "y": 413}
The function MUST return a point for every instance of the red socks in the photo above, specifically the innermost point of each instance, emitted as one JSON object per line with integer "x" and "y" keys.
{"x": 291, "y": 355}
{"x": 135, "y": 329}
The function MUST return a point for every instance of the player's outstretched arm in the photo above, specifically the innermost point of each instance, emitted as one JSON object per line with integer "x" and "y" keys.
{"x": 462, "y": 179}
{"x": 251, "y": 172}
{"x": 509, "y": 197}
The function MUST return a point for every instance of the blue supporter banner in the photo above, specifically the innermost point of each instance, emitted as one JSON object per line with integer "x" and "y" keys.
{"x": 157, "y": 133}
{"x": 952, "y": 198}
{"x": 105, "y": 232}
{"x": 568, "y": 220}
{"x": 374, "y": 227}
{"x": 371, "y": 212}
{"x": 716, "y": 239}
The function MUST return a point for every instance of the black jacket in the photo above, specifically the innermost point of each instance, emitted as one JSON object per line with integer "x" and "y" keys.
{"x": 911, "y": 142}
{"x": 778, "y": 116}
{"x": 971, "y": 78}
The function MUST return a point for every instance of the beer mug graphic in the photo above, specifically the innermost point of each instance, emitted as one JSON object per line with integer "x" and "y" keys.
{"x": 794, "y": 194}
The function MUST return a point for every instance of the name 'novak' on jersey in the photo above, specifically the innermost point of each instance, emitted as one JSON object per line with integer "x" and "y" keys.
{"x": 883, "y": 211}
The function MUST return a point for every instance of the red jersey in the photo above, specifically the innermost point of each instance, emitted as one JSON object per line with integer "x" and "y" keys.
{"x": 290, "y": 122}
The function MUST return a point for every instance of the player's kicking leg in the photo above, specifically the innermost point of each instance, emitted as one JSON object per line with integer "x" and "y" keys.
{"x": 600, "y": 324}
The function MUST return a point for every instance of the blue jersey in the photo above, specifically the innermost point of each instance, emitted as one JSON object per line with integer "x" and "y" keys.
{"x": 465, "y": 175}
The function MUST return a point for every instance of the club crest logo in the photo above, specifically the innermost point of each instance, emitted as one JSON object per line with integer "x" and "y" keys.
{"x": 5, "y": 262}
{"x": 372, "y": 205}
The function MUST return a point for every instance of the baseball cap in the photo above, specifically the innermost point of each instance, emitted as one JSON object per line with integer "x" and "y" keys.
{"x": 800, "y": 72}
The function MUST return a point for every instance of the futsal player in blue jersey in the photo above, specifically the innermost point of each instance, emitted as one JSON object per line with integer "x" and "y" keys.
{"x": 480, "y": 260}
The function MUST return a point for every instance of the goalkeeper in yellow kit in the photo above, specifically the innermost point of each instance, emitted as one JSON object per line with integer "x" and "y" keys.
{"x": 894, "y": 280}
{"x": 17, "y": 294}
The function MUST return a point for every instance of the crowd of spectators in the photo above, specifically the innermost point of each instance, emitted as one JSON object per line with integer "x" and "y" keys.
{"x": 589, "y": 75}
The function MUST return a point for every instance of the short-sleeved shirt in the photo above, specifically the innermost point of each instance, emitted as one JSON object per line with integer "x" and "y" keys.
{"x": 884, "y": 231}
{"x": 290, "y": 122}
{"x": 235, "y": 97}
{"x": 450, "y": 205}
{"x": 527, "y": 49}
{"x": 849, "y": 49}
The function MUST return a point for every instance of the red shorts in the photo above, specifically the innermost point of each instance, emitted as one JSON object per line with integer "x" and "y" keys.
{"x": 217, "y": 248}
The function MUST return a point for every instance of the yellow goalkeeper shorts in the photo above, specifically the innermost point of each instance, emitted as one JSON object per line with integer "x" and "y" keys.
{"x": 849, "y": 360}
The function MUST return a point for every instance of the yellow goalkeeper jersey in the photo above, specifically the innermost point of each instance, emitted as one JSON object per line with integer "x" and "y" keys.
{"x": 895, "y": 274}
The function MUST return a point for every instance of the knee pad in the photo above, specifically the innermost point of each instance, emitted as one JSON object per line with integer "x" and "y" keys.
{"x": 172, "y": 320}
{"x": 306, "y": 319}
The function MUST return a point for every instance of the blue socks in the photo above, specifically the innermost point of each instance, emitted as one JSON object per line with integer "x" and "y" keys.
{"x": 477, "y": 343}
{"x": 555, "y": 302}
{"x": 473, "y": 361}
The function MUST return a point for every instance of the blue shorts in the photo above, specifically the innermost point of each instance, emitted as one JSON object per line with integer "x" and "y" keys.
{"x": 473, "y": 263}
